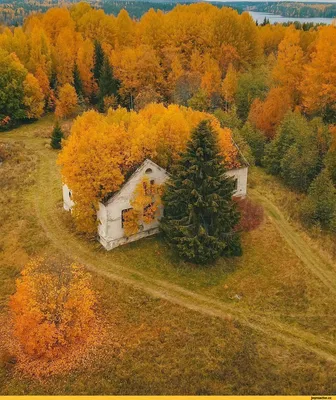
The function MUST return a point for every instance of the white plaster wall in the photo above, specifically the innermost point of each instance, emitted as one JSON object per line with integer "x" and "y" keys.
{"x": 241, "y": 175}
{"x": 67, "y": 202}
{"x": 102, "y": 219}
{"x": 110, "y": 229}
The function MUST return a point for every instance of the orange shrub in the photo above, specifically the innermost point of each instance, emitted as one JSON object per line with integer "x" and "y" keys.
{"x": 53, "y": 309}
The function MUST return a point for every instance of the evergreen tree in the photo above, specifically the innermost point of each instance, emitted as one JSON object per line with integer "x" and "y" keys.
{"x": 200, "y": 215}
{"x": 228, "y": 119}
{"x": 56, "y": 137}
{"x": 108, "y": 85}
{"x": 78, "y": 82}
{"x": 200, "y": 101}
{"x": 98, "y": 60}
{"x": 256, "y": 140}
{"x": 319, "y": 208}
{"x": 330, "y": 163}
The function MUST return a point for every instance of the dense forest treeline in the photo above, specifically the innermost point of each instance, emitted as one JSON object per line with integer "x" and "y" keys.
{"x": 291, "y": 9}
{"x": 14, "y": 12}
{"x": 273, "y": 86}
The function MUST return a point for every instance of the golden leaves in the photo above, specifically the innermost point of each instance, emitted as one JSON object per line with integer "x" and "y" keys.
{"x": 145, "y": 206}
{"x": 53, "y": 312}
{"x": 66, "y": 104}
{"x": 319, "y": 83}
{"x": 33, "y": 97}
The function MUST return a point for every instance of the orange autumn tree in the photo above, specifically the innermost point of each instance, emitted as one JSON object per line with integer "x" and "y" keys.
{"x": 53, "y": 311}
{"x": 319, "y": 78}
{"x": 67, "y": 102}
{"x": 93, "y": 165}
{"x": 33, "y": 97}
{"x": 103, "y": 149}
{"x": 288, "y": 69}
{"x": 267, "y": 115}
{"x": 229, "y": 86}
{"x": 145, "y": 205}
{"x": 85, "y": 63}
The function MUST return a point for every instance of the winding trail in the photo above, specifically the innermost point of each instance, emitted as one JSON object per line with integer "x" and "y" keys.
{"x": 312, "y": 260}
{"x": 46, "y": 196}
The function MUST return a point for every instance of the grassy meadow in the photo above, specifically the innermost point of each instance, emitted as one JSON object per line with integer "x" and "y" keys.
{"x": 263, "y": 323}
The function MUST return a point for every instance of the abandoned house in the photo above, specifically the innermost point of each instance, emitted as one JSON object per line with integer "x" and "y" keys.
{"x": 111, "y": 213}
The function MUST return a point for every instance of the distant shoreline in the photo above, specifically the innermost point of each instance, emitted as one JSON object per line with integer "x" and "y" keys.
{"x": 287, "y": 9}
{"x": 280, "y": 19}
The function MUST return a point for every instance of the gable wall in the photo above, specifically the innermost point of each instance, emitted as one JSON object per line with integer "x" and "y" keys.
{"x": 241, "y": 175}
{"x": 67, "y": 202}
{"x": 110, "y": 229}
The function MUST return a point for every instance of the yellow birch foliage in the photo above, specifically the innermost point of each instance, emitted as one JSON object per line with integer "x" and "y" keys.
{"x": 230, "y": 85}
{"x": 211, "y": 79}
{"x": 43, "y": 81}
{"x": 65, "y": 55}
{"x": 176, "y": 72}
{"x": 288, "y": 69}
{"x": 319, "y": 80}
{"x": 85, "y": 63}
{"x": 33, "y": 97}
{"x": 137, "y": 68}
{"x": 271, "y": 36}
{"x": 53, "y": 311}
{"x": 67, "y": 102}
{"x": 55, "y": 20}
{"x": 92, "y": 163}
{"x": 96, "y": 25}
{"x": 40, "y": 50}
{"x": 125, "y": 29}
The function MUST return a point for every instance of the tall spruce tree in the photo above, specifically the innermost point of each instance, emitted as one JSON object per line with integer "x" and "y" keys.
{"x": 200, "y": 215}
{"x": 108, "y": 85}
{"x": 98, "y": 60}
{"x": 77, "y": 81}
{"x": 319, "y": 207}
{"x": 56, "y": 137}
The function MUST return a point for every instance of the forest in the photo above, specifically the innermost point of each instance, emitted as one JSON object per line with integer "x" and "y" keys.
{"x": 234, "y": 296}
{"x": 14, "y": 12}
{"x": 273, "y": 86}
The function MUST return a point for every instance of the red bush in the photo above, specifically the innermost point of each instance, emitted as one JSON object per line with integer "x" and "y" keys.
{"x": 252, "y": 215}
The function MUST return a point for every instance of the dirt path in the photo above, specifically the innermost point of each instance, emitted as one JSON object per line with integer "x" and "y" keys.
{"x": 48, "y": 191}
{"x": 311, "y": 259}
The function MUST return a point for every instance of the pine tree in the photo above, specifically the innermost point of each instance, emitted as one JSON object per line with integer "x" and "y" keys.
{"x": 56, "y": 137}
{"x": 319, "y": 207}
{"x": 108, "y": 85}
{"x": 200, "y": 215}
{"x": 98, "y": 60}
{"x": 78, "y": 82}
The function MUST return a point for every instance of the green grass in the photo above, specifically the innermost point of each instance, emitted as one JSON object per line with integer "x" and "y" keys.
{"x": 276, "y": 340}
{"x": 289, "y": 202}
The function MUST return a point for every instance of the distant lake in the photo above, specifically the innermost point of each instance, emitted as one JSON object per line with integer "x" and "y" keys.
{"x": 273, "y": 18}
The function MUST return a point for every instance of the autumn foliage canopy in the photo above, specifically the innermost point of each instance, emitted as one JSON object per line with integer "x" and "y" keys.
{"x": 53, "y": 309}
{"x": 194, "y": 55}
